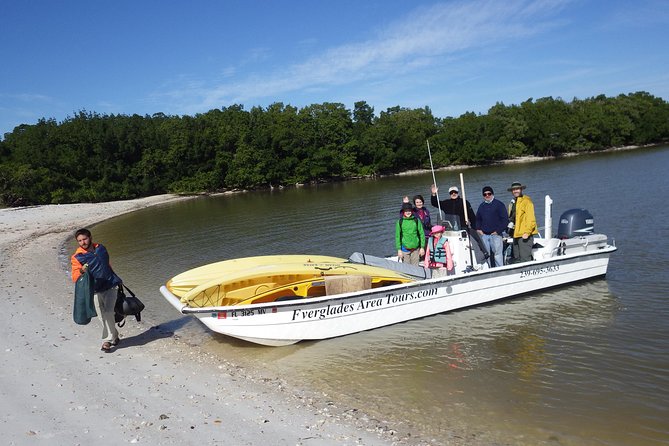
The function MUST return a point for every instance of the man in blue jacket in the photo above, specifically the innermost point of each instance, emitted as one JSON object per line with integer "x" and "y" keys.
{"x": 93, "y": 257}
{"x": 491, "y": 220}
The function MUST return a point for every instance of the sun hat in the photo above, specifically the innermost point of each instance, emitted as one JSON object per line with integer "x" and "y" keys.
{"x": 515, "y": 185}
{"x": 437, "y": 228}
{"x": 488, "y": 189}
{"x": 453, "y": 188}
{"x": 407, "y": 207}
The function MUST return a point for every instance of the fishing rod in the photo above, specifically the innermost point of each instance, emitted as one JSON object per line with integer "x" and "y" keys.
{"x": 434, "y": 180}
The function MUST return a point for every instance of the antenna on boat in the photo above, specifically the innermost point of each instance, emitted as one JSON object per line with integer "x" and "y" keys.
{"x": 434, "y": 180}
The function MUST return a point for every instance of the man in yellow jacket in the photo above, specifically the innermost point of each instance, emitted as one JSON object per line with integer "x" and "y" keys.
{"x": 522, "y": 223}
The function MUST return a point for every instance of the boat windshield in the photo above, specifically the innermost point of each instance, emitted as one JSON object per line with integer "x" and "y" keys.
{"x": 450, "y": 222}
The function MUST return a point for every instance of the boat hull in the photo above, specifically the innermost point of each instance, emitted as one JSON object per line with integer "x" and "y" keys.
{"x": 285, "y": 323}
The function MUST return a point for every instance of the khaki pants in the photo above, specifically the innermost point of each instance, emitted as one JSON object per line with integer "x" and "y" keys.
{"x": 440, "y": 272}
{"x": 104, "y": 305}
{"x": 413, "y": 257}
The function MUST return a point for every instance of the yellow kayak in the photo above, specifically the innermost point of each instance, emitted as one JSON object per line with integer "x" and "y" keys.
{"x": 280, "y": 279}
{"x": 182, "y": 283}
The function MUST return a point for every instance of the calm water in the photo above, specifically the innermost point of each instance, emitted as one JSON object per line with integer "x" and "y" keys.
{"x": 586, "y": 364}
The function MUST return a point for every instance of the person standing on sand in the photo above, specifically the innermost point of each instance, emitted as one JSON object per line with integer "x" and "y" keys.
{"x": 94, "y": 258}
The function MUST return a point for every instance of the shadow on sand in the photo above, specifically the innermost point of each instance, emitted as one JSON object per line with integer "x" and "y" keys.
{"x": 156, "y": 332}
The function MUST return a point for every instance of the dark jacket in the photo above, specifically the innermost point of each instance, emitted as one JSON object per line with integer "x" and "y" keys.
{"x": 424, "y": 216}
{"x": 492, "y": 217}
{"x": 455, "y": 207}
{"x": 98, "y": 266}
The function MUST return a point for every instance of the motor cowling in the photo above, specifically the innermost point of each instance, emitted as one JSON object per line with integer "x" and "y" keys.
{"x": 576, "y": 223}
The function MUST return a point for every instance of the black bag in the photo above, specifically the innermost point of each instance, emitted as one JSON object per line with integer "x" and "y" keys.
{"x": 127, "y": 306}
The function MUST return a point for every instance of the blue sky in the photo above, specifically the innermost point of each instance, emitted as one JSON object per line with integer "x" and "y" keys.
{"x": 188, "y": 57}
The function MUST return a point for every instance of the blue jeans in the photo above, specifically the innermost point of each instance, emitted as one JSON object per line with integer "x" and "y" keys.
{"x": 495, "y": 246}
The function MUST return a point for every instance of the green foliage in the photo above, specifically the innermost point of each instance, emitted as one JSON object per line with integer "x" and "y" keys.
{"x": 93, "y": 157}
{"x": 23, "y": 184}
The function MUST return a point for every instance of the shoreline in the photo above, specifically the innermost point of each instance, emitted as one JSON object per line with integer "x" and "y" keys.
{"x": 530, "y": 159}
{"x": 154, "y": 388}
{"x": 519, "y": 160}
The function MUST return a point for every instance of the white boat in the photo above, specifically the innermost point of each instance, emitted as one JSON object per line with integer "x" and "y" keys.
{"x": 340, "y": 303}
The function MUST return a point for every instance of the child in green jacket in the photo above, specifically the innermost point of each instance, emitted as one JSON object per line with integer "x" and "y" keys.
{"x": 409, "y": 236}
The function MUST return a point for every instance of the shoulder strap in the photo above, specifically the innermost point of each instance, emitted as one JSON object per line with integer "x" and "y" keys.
{"x": 127, "y": 289}
{"x": 432, "y": 245}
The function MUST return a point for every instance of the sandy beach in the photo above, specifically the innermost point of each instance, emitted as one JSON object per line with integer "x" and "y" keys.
{"x": 59, "y": 388}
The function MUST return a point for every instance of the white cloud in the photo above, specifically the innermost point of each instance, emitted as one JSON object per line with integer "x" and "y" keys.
{"x": 27, "y": 97}
{"x": 424, "y": 38}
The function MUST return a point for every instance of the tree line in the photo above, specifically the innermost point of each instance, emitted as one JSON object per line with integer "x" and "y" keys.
{"x": 94, "y": 157}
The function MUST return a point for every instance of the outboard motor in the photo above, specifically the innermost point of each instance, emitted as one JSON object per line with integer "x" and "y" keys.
{"x": 575, "y": 223}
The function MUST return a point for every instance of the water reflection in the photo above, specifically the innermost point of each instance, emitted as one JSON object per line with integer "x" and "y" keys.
{"x": 474, "y": 360}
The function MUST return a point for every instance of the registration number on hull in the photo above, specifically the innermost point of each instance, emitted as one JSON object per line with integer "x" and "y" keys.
{"x": 539, "y": 271}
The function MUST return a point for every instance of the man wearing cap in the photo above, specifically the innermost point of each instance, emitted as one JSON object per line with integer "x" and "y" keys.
{"x": 491, "y": 220}
{"x": 454, "y": 205}
{"x": 409, "y": 236}
{"x": 522, "y": 222}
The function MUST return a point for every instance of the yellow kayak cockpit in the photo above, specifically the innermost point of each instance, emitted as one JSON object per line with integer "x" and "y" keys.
{"x": 249, "y": 281}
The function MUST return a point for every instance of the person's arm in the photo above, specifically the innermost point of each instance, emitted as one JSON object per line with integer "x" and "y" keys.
{"x": 426, "y": 261}
{"x": 421, "y": 233}
{"x": 531, "y": 219}
{"x": 449, "y": 256}
{"x": 398, "y": 242}
{"x": 433, "y": 200}
{"x": 471, "y": 215}
{"x": 479, "y": 220}
{"x": 502, "y": 219}
{"x": 77, "y": 268}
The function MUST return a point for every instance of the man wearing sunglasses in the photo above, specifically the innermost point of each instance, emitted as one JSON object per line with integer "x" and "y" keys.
{"x": 454, "y": 206}
{"x": 491, "y": 220}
